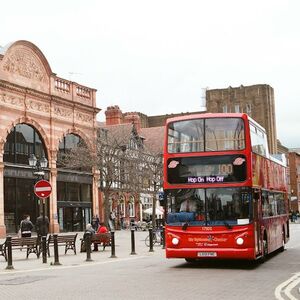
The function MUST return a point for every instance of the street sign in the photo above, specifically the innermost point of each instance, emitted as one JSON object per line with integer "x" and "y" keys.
{"x": 42, "y": 189}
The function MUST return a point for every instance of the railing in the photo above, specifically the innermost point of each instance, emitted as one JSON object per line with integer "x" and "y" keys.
{"x": 83, "y": 92}
{"x": 62, "y": 85}
{"x": 73, "y": 91}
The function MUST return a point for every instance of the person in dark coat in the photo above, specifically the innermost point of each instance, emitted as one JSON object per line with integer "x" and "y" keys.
{"x": 26, "y": 226}
{"x": 41, "y": 227}
{"x": 89, "y": 230}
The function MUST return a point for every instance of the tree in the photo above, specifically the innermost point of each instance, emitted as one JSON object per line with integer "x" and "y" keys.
{"x": 154, "y": 175}
{"x": 113, "y": 155}
{"x": 124, "y": 162}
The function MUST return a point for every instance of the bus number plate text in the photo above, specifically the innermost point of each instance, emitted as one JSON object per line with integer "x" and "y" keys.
{"x": 207, "y": 254}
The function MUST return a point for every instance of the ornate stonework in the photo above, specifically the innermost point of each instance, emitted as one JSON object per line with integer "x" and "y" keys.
{"x": 62, "y": 112}
{"x": 12, "y": 100}
{"x": 84, "y": 117}
{"x": 37, "y": 106}
{"x": 22, "y": 62}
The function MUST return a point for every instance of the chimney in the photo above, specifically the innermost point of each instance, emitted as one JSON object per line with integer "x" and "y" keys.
{"x": 113, "y": 115}
{"x": 135, "y": 119}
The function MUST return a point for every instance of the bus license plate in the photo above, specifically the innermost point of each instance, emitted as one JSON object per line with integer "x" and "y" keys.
{"x": 207, "y": 254}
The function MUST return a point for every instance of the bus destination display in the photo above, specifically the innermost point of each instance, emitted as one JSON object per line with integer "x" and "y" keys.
{"x": 212, "y": 169}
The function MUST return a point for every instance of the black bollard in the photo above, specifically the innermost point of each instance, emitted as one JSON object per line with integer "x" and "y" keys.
{"x": 44, "y": 249}
{"x": 87, "y": 242}
{"x": 56, "y": 257}
{"x": 113, "y": 249}
{"x": 162, "y": 241}
{"x": 132, "y": 242}
{"x": 151, "y": 239}
{"x": 9, "y": 254}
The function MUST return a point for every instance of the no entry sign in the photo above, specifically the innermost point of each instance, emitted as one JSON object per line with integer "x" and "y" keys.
{"x": 42, "y": 189}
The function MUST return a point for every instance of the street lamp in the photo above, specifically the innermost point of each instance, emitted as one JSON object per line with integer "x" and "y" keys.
{"x": 38, "y": 166}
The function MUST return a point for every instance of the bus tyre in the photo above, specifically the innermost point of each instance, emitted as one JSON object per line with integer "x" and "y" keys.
{"x": 283, "y": 241}
{"x": 190, "y": 260}
{"x": 264, "y": 250}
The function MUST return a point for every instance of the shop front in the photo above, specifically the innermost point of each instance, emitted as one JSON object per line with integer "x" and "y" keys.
{"x": 74, "y": 201}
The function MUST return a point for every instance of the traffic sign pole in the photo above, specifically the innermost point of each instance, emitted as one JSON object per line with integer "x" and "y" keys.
{"x": 42, "y": 189}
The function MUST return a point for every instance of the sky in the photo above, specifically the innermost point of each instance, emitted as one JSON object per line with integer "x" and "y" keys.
{"x": 156, "y": 57}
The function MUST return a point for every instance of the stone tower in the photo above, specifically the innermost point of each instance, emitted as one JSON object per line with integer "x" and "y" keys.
{"x": 255, "y": 100}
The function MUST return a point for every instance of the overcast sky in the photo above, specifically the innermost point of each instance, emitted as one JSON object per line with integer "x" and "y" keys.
{"x": 155, "y": 57}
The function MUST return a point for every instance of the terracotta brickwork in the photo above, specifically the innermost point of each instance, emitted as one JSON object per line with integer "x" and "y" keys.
{"x": 294, "y": 160}
{"x": 31, "y": 93}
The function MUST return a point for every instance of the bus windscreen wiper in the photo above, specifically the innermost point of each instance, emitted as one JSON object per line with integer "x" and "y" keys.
{"x": 227, "y": 224}
{"x": 185, "y": 226}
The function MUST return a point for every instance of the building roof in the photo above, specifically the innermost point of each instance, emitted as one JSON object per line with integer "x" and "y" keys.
{"x": 120, "y": 132}
{"x": 154, "y": 138}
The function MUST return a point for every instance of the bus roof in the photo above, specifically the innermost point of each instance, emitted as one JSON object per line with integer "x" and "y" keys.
{"x": 214, "y": 115}
{"x": 206, "y": 116}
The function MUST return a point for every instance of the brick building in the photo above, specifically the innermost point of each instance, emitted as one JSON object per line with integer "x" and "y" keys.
{"x": 255, "y": 100}
{"x": 294, "y": 160}
{"x": 44, "y": 115}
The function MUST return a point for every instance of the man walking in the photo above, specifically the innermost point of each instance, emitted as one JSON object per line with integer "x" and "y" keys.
{"x": 42, "y": 228}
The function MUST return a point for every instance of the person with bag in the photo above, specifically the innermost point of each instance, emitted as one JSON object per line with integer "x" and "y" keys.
{"x": 26, "y": 226}
{"x": 89, "y": 230}
{"x": 42, "y": 226}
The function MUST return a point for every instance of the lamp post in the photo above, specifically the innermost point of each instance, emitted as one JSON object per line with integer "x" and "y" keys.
{"x": 38, "y": 167}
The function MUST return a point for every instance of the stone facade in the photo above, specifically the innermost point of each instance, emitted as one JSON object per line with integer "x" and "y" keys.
{"x": 31, "y": 93}
{"x": 294, "y": 162}
{"x": 255, "y": 100}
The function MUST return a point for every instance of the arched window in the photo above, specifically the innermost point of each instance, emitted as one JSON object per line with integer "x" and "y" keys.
{"x": 131, "y": 207}
{"x": 69, "y": 142}
{"x": 22, "y": 141}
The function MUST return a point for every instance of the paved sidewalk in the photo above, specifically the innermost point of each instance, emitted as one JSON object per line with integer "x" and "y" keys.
{"x": 122, "y": 251}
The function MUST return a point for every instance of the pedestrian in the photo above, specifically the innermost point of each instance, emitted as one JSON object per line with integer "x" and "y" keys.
{"x": 89, "y": 230}
{"x": 26, "y": 226}
{"x": 95, "y": 222}
{"x": 41, "y": 226}
{"x": 111, "y": 221}
{"x": 102, "y": 228}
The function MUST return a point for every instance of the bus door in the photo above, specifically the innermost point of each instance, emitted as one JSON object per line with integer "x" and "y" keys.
{"x": 257, "y": 217}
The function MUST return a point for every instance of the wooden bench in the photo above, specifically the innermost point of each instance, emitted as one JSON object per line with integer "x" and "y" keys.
{"x": 67, "y": 240}
{"x": 103, "y": 239}
{"x": 32, "y": 245}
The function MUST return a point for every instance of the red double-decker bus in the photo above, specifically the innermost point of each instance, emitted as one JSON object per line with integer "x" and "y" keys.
{"x": 226, "y": 196}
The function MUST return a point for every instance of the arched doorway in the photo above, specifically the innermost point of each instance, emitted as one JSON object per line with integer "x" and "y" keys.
{"x": 74, "y": 189}
{"x": 19, "y": 199}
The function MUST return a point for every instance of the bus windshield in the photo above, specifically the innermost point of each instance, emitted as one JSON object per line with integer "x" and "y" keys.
{"x": 212, "y": 206}
{"x": 211, "y": 134}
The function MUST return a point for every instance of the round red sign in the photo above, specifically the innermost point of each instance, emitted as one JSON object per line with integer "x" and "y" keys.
{"x": 42, "y": 189}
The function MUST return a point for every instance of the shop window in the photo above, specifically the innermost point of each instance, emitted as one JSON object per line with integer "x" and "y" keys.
{"x": 21, "y": 142}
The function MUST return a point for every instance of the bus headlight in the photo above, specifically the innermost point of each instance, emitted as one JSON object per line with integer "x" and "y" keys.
{"x": 175, "y": 241}
{"x": 240, "y": 241}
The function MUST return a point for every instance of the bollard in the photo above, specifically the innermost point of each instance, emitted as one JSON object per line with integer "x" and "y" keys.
{"x": 87, "y": 242}
{"x": 162, "y": 241}
{"x": 56, "y": 258}
{"x": 113, "y": 249}
{"x": 132, "y": 242}
{"x": 44, "y": 249}
{"x": 151, "y": 239}
{"x": 9, "y": 253}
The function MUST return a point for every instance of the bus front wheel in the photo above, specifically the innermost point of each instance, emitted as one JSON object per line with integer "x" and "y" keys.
{"x": 190, "y": 260}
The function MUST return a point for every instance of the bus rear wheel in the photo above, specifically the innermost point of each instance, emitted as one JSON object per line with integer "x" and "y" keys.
{"x": 264, "y": 249}
{"x": 283, "y": 241}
